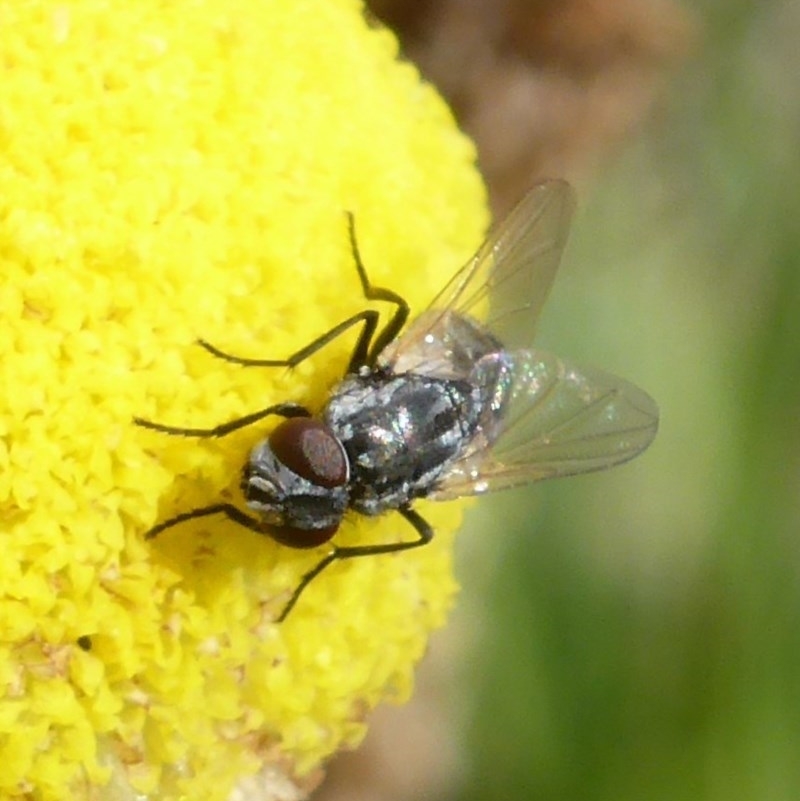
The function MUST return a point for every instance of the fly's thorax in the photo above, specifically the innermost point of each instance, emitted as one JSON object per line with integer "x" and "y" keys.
{"x": 400, "y": 433}
{"x": 297, "y": 479}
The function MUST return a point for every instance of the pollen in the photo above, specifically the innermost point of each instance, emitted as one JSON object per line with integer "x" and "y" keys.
{"x": 175, "y": 170}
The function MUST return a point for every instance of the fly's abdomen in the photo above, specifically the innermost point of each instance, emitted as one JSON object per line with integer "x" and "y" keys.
{"x": 400, "y": 432}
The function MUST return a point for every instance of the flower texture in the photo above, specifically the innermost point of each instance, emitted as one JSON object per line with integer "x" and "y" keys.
{"x": 175, "y": 169}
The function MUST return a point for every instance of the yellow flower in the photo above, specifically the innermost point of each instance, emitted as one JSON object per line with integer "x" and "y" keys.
{"x": 175, "y": 169}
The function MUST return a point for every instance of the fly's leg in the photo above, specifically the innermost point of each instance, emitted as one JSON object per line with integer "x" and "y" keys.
{"x": 368, "y": 354}
{"x": 367, "y": 347}
{"x": 369, "y": 317}
{"x": 280, "y": 409}
{"x": 227, "y": 509}
{"x": 421, "y": 526}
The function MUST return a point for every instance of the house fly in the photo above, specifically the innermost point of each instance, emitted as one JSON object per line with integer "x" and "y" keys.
{"x": 459, "y": 403}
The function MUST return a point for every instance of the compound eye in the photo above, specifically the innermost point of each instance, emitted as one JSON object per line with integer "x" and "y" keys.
{"x": 302, "y": 537}
{"x": 310, "y": 449}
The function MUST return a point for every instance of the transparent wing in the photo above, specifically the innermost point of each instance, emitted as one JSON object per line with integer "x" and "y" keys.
{"x": 504, "y": 286}
{"x": 549, "y": 419}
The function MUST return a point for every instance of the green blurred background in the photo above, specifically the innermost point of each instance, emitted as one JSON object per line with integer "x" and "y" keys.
{"x": 640, "y": 629}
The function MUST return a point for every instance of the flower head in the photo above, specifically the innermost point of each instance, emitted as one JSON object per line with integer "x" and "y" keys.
{"x": 175, "y": 170}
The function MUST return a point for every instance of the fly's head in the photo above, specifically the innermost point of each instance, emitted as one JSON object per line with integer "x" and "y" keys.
{"x": 297, "y": 482}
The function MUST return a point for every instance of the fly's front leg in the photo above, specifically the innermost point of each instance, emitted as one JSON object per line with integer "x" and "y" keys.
{"x": 421, "y": 526}
{"x": 227, "y": 509}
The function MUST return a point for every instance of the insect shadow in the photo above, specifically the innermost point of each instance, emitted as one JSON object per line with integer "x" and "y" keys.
{"x": 457, "y": 404}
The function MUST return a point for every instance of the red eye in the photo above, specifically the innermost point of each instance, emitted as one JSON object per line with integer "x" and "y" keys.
{"x": 302, "y": 537}
{"x": 309, "y": 449}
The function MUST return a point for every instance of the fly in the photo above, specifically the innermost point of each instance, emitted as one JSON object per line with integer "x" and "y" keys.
{"x": 458, "y": 404}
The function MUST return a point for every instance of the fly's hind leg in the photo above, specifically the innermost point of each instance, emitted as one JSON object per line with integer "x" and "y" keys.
{"x": 369, "y": 353}
{"x": 368, "y": 345}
